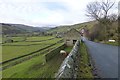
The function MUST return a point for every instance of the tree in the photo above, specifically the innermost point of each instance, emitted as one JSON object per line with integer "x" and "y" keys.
{"x": 113, "y": 18}
{"x": 100, "y": 12}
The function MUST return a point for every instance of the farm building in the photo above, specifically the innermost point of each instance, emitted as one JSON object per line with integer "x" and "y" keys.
{"x": 71, "y": 37}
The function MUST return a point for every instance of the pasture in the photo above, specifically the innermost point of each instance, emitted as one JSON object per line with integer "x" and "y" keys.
{"x": 39, "y": 38}
{"x": 15, "y": 49}
{"x": 35, "y": 67}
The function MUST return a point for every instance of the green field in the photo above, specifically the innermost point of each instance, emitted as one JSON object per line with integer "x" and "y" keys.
{"x": 38, "y": 38}
{"x": 19, "y": 39}
{"x": 36, "y": 67}
{"x": 15, "y": 49}
{"x": 24, "y": 43}
{"x": 0, "y": 38}
{"x": 13, "y": 38}
{"x": 9, "y": 52}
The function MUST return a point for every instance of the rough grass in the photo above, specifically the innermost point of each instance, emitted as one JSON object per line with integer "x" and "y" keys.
{"x": 85, "y": 69}
{"x": 35, "y": 68}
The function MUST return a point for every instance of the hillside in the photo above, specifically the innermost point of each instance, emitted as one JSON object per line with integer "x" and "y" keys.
{"x": 79, "y": 26}
{"x": 20, "y": 28}
{"x": 96, "y": 32}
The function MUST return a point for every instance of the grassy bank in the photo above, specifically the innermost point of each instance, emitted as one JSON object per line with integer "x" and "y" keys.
{"x": 85, "y": 69}
{"x": 113, "y": 43}
{"x": 116, "y": 43}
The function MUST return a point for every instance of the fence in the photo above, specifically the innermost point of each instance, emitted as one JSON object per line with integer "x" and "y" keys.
{"x": 69, "y": 67}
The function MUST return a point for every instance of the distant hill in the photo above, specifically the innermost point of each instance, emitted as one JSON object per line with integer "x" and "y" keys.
{"x": 79, "y": 26}
{"x": 20, "y": 28}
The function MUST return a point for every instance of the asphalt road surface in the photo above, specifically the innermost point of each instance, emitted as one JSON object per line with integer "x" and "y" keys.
{"x": 105, "y": 58}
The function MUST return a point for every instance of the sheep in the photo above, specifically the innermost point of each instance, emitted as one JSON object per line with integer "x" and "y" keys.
{"x": 64, "y": 53}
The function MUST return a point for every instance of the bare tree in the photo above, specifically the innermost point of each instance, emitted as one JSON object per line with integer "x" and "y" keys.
{"x": 100, "y": 12}
{"x": 113, "y": 17}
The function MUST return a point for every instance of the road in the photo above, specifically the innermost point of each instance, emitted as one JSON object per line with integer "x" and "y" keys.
{"x": 105, "y": 58}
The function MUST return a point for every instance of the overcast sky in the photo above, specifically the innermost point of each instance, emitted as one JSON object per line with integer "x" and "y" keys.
{"x": 44, "y": 12}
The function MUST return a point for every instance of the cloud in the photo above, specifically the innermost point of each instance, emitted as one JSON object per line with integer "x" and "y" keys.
{"x": 43, "y": 12}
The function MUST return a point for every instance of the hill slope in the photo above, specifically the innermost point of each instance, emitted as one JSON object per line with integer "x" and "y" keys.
{"x": 79, "y": 26}
{"x": 19, "y": 29}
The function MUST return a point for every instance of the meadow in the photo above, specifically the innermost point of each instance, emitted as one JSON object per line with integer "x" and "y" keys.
{"x": 15, "y": 49}
{"x": 35, "y": 67}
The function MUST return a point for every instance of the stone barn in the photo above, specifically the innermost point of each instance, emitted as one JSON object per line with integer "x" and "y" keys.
{"x": 71, "y": 37}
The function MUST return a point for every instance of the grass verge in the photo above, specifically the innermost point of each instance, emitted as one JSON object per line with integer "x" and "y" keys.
{"x": 85, "y": 68}
{"x": 113, "y": 43}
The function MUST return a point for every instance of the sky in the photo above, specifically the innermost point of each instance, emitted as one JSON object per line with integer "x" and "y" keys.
{"x": 45, "y": 12}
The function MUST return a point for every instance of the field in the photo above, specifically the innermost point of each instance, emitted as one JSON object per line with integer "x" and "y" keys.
{"x": 15, "y": 49}
{"x": 35, "y": 67}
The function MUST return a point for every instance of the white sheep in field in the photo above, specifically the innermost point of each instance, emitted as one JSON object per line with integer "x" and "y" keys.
{"x": 63, "y": 53}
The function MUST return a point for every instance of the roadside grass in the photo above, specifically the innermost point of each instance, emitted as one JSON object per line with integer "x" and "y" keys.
{"x": 85, "y": 69}
{"x": 113, "y": 43}
{"x": 116, "y": 43}
{"x": 35, "y": 68}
